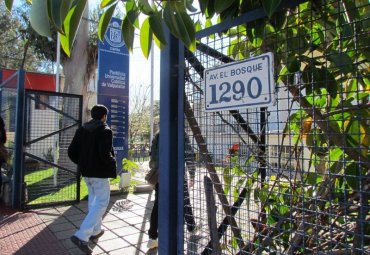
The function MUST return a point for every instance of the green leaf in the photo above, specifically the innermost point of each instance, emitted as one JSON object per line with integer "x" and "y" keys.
{"x": 156, "y": 26}
{"x": 128, "y": 33}
{"x": 221, "y": 5}
{"x": 343, "y": 27}
{"x": 342, "y": 61}
{"x": 39, "y": 18}
{"x": 293, "y": 64}
{"x": 180, "y": 25}
{"x": 104, "y": 21}
{"x": 353, "y": 175}
{"x": 203, "y": 5}
{"x": 170, "y": 20}
{"x": 129, "y": 166}
{"x": 189, "y": 6}
{"x": 105, "y": 3}
{"x": 64, "y": 9}
{"x": 146, "y": 38}
{"x": 198, "y": 26}
{"x": 71, "y": 24}
{"x": 270, "y": 6}
{"x": 55, "y": 11}
{"x": 313, "y": 178}
{"x": 9, "y": 4}
{"x": 210, "y": 11}
{"x": 227, "y": 179}
{"x": 133, "y": 14}
{"x": 145, "y": 7}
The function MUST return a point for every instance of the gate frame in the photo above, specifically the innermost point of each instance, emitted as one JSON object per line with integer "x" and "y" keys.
{"x": 19, "y": 141}
{"x": 172, "y": 125}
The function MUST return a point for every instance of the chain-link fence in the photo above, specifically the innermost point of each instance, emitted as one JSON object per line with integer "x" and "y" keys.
{"x": 291, "y": 178}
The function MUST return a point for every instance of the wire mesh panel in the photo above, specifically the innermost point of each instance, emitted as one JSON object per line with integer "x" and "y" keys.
{"x": 293, "y": 177}
{"x": 51, "y": 121}
{"x": 8, "y": 98}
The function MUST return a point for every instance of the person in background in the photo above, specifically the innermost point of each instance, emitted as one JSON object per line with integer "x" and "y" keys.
{"x": 3, "y": 151}
{"x": 188, "y": 212}
{"x": 92, "y": 150}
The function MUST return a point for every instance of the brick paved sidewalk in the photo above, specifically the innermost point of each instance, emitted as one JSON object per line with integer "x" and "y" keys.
{"x": 25, "y": 233}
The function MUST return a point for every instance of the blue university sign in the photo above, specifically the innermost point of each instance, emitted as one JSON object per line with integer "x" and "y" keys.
{"x": 113, "y": 86}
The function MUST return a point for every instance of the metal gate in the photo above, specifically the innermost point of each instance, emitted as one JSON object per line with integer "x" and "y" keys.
{"x": 50, "y": 122}
{"x": 291, "y": 178}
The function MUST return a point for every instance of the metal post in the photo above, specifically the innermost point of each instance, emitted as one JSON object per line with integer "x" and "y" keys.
{"x": 168, "y": 148}
{"x": 17, "y": 181}
{"x": 151, "y": 93}
{"x": 151, "y": 90}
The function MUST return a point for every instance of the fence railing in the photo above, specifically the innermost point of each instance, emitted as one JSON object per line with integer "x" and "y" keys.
{"x": 292, "y": 177}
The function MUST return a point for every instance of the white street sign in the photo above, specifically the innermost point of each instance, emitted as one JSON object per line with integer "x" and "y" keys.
{"x": 243, "y": 84}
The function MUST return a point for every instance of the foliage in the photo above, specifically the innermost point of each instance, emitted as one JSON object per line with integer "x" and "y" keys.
{"x": 65, "y": 17}
{"x": 129, "y": 166}
{"x": 12, "y": 42}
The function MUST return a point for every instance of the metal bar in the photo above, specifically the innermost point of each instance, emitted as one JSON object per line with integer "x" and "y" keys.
{"x": 49, "y": 162}
{"x": 50, "y": 134}
{"x": 9, "y": 78}
{"x": 78, "y": 176}
{"x": 225, "y": 222}
{"x": 211, "y": 213}
{"x": 52, "y": 93}
{"x": 245, "y": 18}
{"x": 212, "y": 171}
{"x": 168, "y": 148}
{"x": 18, "y": 143}
{"x": 48, "y": 105}
{"x": 180, "y": 152}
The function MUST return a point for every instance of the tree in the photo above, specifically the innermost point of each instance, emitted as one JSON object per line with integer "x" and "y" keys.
{"x": 13, "y": 53}
{"x": 139, "y": 115}
{"x": 139, "y": 125}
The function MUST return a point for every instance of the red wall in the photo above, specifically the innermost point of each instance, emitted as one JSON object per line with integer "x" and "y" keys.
{"x": 36, "y": 81}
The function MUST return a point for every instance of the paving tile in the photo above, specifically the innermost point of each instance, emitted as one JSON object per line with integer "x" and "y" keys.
{"x": 62, "y": 209}
{"x": 71, "y": 211}
{"x": 128, "y": 250}
{"x": 61, "y": 227}
{"x": 135, "y": 220}
{"x": 143, "y": 227}
{"x": 110, "y": 217}
{"x": 98, "y": 250}
{"x": 76, "y": 217}
{"x": 62, "y": 235}
{"x": 113, "y": 244}
{"x": 76, "y": 251}
{"x": 115, "y": 224}
{"x": 128, "y": 230}
{"x": 108, "y": 235}
{"x": 137, "y": 238}
{"x": 59, "y": 220}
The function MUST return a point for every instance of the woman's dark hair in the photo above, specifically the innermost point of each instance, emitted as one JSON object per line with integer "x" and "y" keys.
{"x": 98, "y": 111}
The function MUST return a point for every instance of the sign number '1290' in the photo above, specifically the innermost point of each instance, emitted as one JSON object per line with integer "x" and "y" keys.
{"x": 243, "y": 84}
